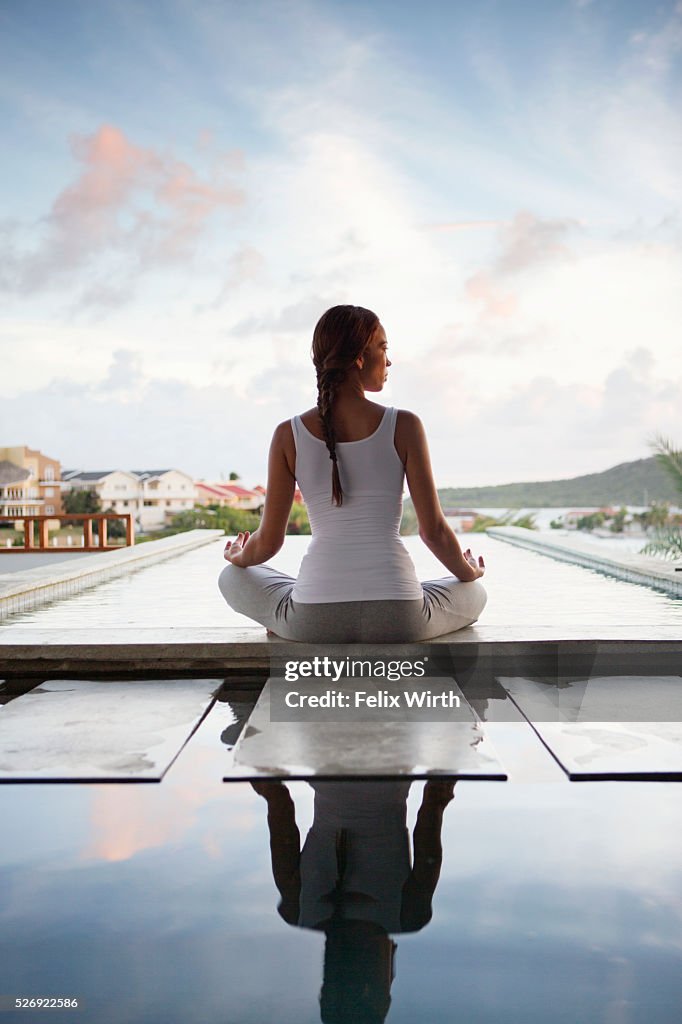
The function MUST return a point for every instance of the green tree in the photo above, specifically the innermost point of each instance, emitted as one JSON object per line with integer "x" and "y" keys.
{"x": 234, "y": 476}
{"x": 77, "y": 500}
{"x": 591, "y": 521}
{"x": 230, "y": 520}
{"x": 656, "y": 516}
{"x": 483, "y": 523}
{"x": 617, "y": 524}
{"x": 526, "y": 522}
{"x": 298, "y": 520}
{"x": 115, "y": 527}
{"x": 408, "y": 524}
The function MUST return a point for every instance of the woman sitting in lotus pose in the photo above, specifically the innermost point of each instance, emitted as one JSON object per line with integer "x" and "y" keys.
{"x": 357, "y": 582}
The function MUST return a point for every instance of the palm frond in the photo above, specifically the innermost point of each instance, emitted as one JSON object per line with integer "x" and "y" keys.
{"x": 669, "y": 458}
{"x": 666, "y": 543}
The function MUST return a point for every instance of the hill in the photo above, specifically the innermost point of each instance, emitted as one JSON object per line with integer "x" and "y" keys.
{"x": 630, "y": 483}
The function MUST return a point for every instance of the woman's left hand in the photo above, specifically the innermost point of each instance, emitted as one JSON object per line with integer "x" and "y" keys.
{"x": 234, "y": 548}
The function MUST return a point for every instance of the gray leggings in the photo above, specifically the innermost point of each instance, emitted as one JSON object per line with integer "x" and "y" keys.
{"x": 264, "y": 594}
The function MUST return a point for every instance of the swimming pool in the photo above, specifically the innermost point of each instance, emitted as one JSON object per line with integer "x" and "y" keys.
{"x": 157, "y": 903}
{"x": 523, "y": 588}
{"x": 537, "y": 900}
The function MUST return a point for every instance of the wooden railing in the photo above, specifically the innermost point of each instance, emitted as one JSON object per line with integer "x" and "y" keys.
{"x": 86, "y": 518}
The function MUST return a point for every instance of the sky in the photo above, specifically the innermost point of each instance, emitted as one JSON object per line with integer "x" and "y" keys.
{"x": 187, "y": 185}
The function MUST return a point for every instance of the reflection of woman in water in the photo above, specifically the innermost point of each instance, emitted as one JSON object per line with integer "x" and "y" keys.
{"x": 351, "y": 458}
{"x": 353, "y": 880}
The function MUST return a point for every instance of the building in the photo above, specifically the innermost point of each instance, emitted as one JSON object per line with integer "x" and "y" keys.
{"x": 230, "y": 495}
{"x": 152, "y": 496}
{"x": 165, "y": 493}
{"x": 246, "y": 499}
{"x": 30, "y": 482}
{"x": 461, "y": 520}
{"x": 571, "y": 518}
{"x": 116, "y": 489}
{"x": 214, "y": 494}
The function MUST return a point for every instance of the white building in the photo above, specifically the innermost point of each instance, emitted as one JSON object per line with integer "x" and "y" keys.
{"x": 165, "y": 492}
{"x": 152, "y": 496}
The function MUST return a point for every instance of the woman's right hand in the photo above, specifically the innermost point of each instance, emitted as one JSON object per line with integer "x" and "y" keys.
{"x": 234, "y": 548}
{"x": 477, "y": 566}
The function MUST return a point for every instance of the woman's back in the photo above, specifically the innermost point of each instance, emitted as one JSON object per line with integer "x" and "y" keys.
{"x": 357, "y": 583}
{"x": 356, "y": 552}
{"x": 354, "y": 420}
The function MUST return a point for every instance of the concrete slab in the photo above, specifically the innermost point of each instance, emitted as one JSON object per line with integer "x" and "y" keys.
{"x": 22, "y": 590}
{"x": 607, "y": 728}
{"x": 379, "y": 749}
{"x": 104, "y": 730}
{"x": 14, "y": 561}
{"x": 624, "y": 565}
{"x": 27, "y": 649}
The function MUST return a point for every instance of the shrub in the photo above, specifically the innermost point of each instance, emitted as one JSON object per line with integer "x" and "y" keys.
{"x": 299, "y": 522}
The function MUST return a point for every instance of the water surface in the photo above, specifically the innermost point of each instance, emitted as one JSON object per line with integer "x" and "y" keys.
{"x": 524, "y": 588}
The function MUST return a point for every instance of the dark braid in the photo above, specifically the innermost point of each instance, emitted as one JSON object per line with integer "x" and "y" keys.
{"x": 327, "y": 381}
{"x": 342, "y": 334}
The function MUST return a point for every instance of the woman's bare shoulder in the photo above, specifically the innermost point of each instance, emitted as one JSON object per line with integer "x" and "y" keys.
{"x": 310, "y": 414}
{"x": 283, "y": 442}
{"x": 283, "y": 431}
{"x": 408, "y": 423}
{"x": 408, "y": 430}
{"x": 283, "y": 436}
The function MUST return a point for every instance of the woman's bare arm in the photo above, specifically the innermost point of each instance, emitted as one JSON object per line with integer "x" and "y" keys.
{"x": 412, "y": 446}
{"x": 258, "y": 547}
{"x": 285, "y": 845}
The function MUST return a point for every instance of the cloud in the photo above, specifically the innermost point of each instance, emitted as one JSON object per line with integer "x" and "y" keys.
{"x": 495, "y": 302}
{"x": 288, "y": 381}
{"x": 656, "y": 50}
{"x": 247, "y": 265}
{"x": 464, "y": 225}
{"x": 538, "y": 426}
{"x": 125, "y": 418}
{"x": 126, "y": 820}
{"x": 353, "y": 184}
{"x": 124, "y": 372}
{"x": 130, "y": 204}
{"x": 529, "y": 240}
{"x": 526, "y": 242}
{"x": 293, "y": 318}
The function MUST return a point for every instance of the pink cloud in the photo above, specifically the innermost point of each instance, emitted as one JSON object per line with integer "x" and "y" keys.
{"x": 530, "y": 240}
{"x": 494, "y": 301}
{"x": 135, "y": 202}
{"x": 526, "y": 241}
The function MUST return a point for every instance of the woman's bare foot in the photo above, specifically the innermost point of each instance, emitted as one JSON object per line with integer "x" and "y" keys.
{"x": 269, "y": 632}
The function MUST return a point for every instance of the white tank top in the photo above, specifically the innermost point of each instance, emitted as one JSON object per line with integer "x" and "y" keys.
{"x": 356, "y": 553}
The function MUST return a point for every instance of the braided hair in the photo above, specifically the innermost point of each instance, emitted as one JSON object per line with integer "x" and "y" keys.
{"x": 340, "y": 336}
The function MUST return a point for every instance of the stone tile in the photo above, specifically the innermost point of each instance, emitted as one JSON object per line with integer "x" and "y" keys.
{"x": 114, "y": 730}
{"x": 382, "y": 749}
{"x": 134, "y": 649}
{"x": 607, "y": 727}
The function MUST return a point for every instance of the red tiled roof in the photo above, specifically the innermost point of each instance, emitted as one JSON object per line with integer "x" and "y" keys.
{"x": 210, "y": 488}
{"x": 240, "y": 492}
{"x": 229, "y": 490}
